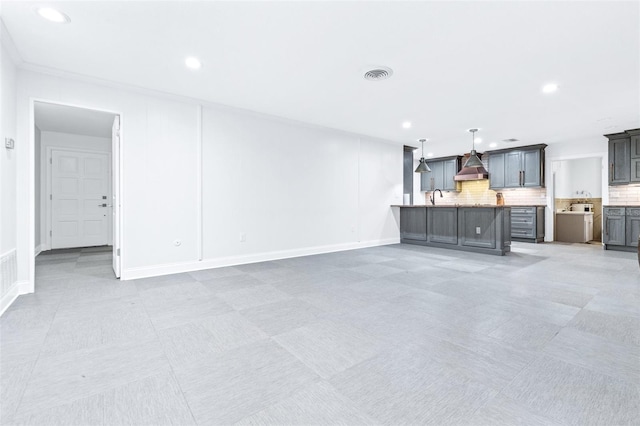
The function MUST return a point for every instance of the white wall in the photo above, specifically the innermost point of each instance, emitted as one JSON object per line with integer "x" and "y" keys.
{"x": 289, "y": 187}
{"x": 578, "y": 175}
{"x": 9, "y": 285}
{"x": 48, "y": 141}
{"x": 292, "y": 188}
{"x": 8, "y": 161}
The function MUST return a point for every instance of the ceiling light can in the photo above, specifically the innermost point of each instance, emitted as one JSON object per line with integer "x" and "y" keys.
{"x": 53, "y": 15}
{"x": 193, "y": 63}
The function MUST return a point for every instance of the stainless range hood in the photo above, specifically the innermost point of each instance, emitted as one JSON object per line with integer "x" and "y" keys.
{"x": 473, "y": 168}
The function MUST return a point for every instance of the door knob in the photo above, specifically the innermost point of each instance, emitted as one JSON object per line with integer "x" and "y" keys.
{"x": 104, "y": 205}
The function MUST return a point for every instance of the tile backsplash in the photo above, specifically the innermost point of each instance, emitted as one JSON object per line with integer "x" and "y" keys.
{"x": 624, "y": 195}
{"x": 478, "y": 192}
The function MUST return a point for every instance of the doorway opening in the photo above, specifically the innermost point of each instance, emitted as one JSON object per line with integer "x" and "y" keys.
{"x": 578, "y": 199}
{"x": 76, "y": 186}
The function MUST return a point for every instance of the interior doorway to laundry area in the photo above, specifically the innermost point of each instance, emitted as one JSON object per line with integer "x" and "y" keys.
{"x": 76, "y": 186}
{"x": 577, "y": 199}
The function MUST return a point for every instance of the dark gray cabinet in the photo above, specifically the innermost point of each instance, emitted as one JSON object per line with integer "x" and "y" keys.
{"x": 478, "y": 227}
{"x": 624, "y": 157}
{"x": 634, "y": 151}
{"x": 451, "y": 169}
{"x": 527, "y": 223}
{"x": 614, "y": 232}
{"x": 443, "y": 170}
{"x": 632, "y": 226}
{"x": 619, "y": 159}
{"x": 443, "y": 225}
{"x": 521, "y": 167}
{"x": 496, "y": 170}
{"x": 413, "y": 223}
{"x": 469, "y": 228}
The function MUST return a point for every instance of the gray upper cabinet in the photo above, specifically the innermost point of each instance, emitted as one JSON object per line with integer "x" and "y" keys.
{"x": 624, "y": 157}
{"x": 451, "y": 169}
{"x": 634, "y": 145}
{"x": 441, "y": 176}
{"x": 512, "y": 169}
{"x": 517, "y": 168}
{"x": 496, "y": 170}
{"x": 619, "y": 159}
{"x": 532, "y": 168}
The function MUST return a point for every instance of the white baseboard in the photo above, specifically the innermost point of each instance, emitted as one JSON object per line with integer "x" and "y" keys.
{"x": 38, "y": 250}
{"x": 176, "y": 268}
{"x": 16, "y": 290}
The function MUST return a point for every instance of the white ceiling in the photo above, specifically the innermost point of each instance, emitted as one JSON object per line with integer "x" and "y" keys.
{"x": 456, "y": 64}
{"x": 78, "y": 121}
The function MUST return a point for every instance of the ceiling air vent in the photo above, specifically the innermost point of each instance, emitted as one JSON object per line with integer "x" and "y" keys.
{"x": 378, "y": 74}
{"x": 510, "y": 140}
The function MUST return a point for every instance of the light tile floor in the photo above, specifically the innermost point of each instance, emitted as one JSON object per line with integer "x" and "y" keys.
{"x": 549, "y": 334}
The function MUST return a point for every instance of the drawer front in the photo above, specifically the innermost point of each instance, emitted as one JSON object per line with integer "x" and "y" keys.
{"x": 633, "y": 212}
{"x": 614, "y": 211}
{"x": 522, "y": 233}
{"x": 522, "y": 221}
{"x": 523, "y": 210}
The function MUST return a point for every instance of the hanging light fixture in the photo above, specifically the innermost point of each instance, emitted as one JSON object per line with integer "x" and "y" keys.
{"x": 473, "y": 169}
{"x": 422, "y": 167}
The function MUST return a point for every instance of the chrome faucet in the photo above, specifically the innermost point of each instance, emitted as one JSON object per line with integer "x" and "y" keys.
{"x": 433, "y": 197}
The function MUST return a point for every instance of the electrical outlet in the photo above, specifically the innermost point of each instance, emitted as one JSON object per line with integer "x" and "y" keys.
{"x": 243, "y": 237}
{"x": 478, "y": 230}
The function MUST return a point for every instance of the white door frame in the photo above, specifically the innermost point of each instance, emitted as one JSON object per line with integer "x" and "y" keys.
{"x": 48, "y": 169}
{"x": 116, "y": 189}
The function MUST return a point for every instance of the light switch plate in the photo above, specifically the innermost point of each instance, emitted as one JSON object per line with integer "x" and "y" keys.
{"x": 9, "y": 143}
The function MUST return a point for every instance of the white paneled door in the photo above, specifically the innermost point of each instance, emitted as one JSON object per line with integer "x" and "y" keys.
{"x": 80, "y": 199}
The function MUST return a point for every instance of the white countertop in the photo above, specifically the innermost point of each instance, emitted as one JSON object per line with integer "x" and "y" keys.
{"x": 569, "y": 212}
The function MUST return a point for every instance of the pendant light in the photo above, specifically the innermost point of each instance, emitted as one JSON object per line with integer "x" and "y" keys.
{"x": 473, "y": 160}
{"x": 473, "y": 168}
{"x": 422, "y": 167}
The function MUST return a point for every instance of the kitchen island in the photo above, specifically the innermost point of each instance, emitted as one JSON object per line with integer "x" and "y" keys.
{"x": 477, "y": 228}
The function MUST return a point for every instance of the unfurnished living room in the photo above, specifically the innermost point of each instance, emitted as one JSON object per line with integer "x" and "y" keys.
{"x": 320, "y": 212}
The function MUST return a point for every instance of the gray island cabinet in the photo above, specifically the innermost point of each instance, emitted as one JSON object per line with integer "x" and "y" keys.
{"x": 483, "y": 229}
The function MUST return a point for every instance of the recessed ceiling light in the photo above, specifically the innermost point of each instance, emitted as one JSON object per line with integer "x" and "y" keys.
{"x": 53, "y": 15}
{"x": 429, "y": 154}
{"x": 193, "y": 63}
{"x": 493, "y": 144}
{"x": 406, "y": 125}
{"x": 549, "y": 88}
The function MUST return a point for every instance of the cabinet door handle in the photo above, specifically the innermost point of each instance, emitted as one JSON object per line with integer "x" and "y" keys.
{"x": 523, "y": 178}
{"x": 612, "y": 172}
{"x": 606, "y": 227}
